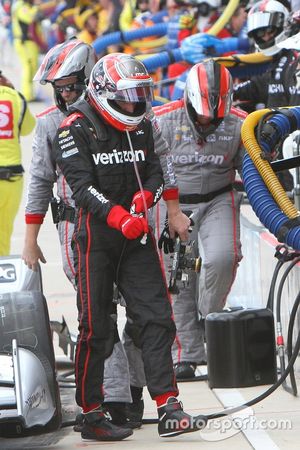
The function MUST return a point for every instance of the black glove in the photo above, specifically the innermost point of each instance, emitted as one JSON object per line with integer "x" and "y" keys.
{"x": 165, "y": 241}
{"x": 271, "y": 135}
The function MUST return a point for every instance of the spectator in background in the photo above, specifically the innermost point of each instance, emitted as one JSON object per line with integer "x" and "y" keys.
{"x": 209, "y": 13}
{"x": 236, "y": 24}
{"x": 133, "y": 8}
{"x": 5, "y": 17}
{"x": 15, "y": 120}
{"x": 27, "y": 38}
{"x": 86, "y": 19}
{"x": 111, "y": 13}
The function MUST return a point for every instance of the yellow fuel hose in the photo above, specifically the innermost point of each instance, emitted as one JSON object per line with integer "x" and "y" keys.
{"x": 236, "y": 60}
{"x": 224, "y": 18}
{"x": 264, "y": 168}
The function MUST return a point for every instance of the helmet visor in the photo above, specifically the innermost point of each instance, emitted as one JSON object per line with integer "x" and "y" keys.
{"x": 141, "y": 94}
{"x": 264, "y": 20}
{"x": 133, "y": 90}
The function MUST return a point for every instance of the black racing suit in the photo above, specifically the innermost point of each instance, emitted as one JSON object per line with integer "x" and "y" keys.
{"x": 98, "y": 164}
{"x": 276, "y": 87}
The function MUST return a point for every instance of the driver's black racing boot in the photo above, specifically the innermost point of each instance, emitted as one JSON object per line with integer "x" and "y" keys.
{"x": 184, "y": 370}
{"x": 174, "y": 421}
{"x": 97, "y": 427}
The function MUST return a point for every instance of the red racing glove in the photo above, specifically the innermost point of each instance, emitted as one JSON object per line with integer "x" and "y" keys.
{"x": 137, "y": 204}
{"x": 131, "y": 227}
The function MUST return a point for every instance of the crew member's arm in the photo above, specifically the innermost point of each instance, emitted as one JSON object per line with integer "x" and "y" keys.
{"x": 32, "y": 253}
{"x": 252, "y": 91}
{"x": 178, "y": 222}
{"x": 42, "y": 177}
{"x": 239, "y": 156}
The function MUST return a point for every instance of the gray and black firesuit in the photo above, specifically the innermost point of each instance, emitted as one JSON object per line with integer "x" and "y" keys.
{"x": 205, "y": 171}
{"x": 98, "y": 164}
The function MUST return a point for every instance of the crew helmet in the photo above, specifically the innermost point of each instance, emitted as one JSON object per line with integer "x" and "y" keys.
{"x": 208, "y": 92}
{"x": 120, "y": 77}
{"x": 72, "y": 57}
{"x": 268, "y": 15}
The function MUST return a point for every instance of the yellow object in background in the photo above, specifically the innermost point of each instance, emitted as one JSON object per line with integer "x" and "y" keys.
{"x": 10, "y": 199}
{"x": 23, "y": 20}
{"x": 15, "y": 120}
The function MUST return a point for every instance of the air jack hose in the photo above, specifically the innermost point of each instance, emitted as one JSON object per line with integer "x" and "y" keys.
{"x": 284, "y": 255}
{"x": 280, "y": 340}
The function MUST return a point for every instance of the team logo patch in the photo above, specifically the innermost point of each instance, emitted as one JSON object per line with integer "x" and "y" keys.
{"x": 70, "y": 152}
{"x": 211, "y": 138}
{"x": 64, "y": 133}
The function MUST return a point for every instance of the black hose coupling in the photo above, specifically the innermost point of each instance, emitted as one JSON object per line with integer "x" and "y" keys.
{"x": 284, "y": 254}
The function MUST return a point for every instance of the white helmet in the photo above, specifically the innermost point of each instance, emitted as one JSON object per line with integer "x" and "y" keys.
{"x": 268, "y": 15}
{"x": 120, "y": 77}
{"x": 72, "y": 57}
{"x": 208, "y": 92}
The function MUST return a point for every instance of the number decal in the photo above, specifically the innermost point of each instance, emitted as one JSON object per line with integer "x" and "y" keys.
{"x": 6, "y": 120}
